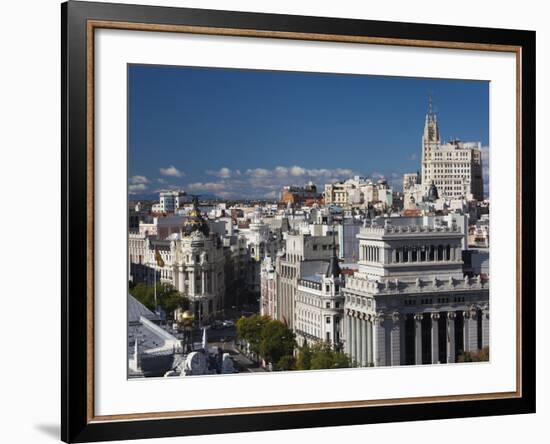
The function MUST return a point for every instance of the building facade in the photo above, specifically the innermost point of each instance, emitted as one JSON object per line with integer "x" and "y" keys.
{"x": 170, "y": 201}
{"x": 268, "y": 289}
{"x": 304, "y": 255}
{"x": 409, "y": 302}
{"x": 300, "y": 195}
{"x": 320, "y": 307}
{"x": 357, "y": 192}
{"x": 454, "y": 167}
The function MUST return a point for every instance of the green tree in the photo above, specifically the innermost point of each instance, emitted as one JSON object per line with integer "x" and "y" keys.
{"x": 250, "y": 329}
{"x": 168, "y": 298}
{"x": 277, "y": 341}
{"x": 303, "y": 362}
{"x": 341, "y": 360}
{"x": 287, "y": 362}
{"x": 324, "y": 357}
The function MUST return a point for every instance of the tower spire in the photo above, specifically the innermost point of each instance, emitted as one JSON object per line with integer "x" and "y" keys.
{"x": 333, "y": 269}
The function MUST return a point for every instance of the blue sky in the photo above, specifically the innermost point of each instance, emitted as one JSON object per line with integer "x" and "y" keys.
{"x": 246, "y": 133}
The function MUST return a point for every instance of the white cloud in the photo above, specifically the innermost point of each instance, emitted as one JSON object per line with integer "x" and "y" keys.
{"x": 264, "y": 182}
{"x": 171, "y": 171}
{"x": 281, "y": 171}
{"x": 297, "y": 171}
{"x": 258, "y": 172}
{"x": 206, "y": 186}
{"x": 168, "y": 188}
{"x": 224, "y": 173}
{"x": 413, "y": 156}
{"x": 136, "y": 188}
{"x": 135, "y": 180}
{"x": 137, "y": 184}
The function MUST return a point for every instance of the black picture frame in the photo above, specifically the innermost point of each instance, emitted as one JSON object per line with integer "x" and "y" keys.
{"x": 76, "y": 423}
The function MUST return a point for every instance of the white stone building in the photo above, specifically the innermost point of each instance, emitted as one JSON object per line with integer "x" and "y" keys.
{"x": 320, "y": 307}
{"x": 409, "y": 302}
{"x": 357, "y": 192}
{"x": 170, "y": 201}
{"x": 413, "y": 190}
{"x": 268, "y": 289}
{"x": 193, "y": 262}
{"x": 455, "y": 167}
{"x": 304, "y": 255}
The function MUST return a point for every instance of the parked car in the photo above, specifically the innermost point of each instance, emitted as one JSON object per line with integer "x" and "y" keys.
{"x": 228, "y": 324}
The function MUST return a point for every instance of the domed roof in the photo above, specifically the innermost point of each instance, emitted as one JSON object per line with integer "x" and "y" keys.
{"x": 195, "y": 222}
{"x": 186, "y": 317}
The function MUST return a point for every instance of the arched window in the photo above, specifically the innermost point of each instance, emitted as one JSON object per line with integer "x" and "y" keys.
{"x": 431, "y": 254}
{"x": 448, "y": 252}
{"x": 414, "y": 255}
{"x": 440, "y": 252}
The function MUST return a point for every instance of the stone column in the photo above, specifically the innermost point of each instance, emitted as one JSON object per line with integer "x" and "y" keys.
{"x": 485, "y": 328}
{"x": 369, "y": 340}
{"x": 361, "y": 341}
{"x": 418, "y": 339}
{"x": 349, "y": 338}
{"x": 466, "y": 330}
{"x": 354, "y": 337}
{"x": 181, "y": 280}
{"x": 472, "y": 331}
{"x": 366, "y": 335}
{"x": 192, "y": 281}
{"x": 395, "y": 347}
{"x": 379, "y": 340}
{"x": 435, "y": 338}
{"x": 451, "y": 337}
{"x": 346, "y": 332}
{"x": 402, "y": 323}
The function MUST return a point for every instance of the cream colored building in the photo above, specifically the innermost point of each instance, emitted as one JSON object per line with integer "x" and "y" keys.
{"x": 454, "y": 167}
{"x": 358, "y": 191}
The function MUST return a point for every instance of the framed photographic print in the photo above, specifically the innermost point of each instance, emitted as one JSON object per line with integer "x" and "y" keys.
{"x": 276, "y": 221}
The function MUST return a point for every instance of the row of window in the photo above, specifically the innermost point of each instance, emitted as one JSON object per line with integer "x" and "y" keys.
{"x": 288, "y": 272}
{"x": 424, "y": 253}
{"x": 370, "y": 253}
{"x": 360, "y": 301}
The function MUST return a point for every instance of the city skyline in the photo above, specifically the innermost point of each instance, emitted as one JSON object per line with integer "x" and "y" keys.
{"x": 228, "y": 132}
